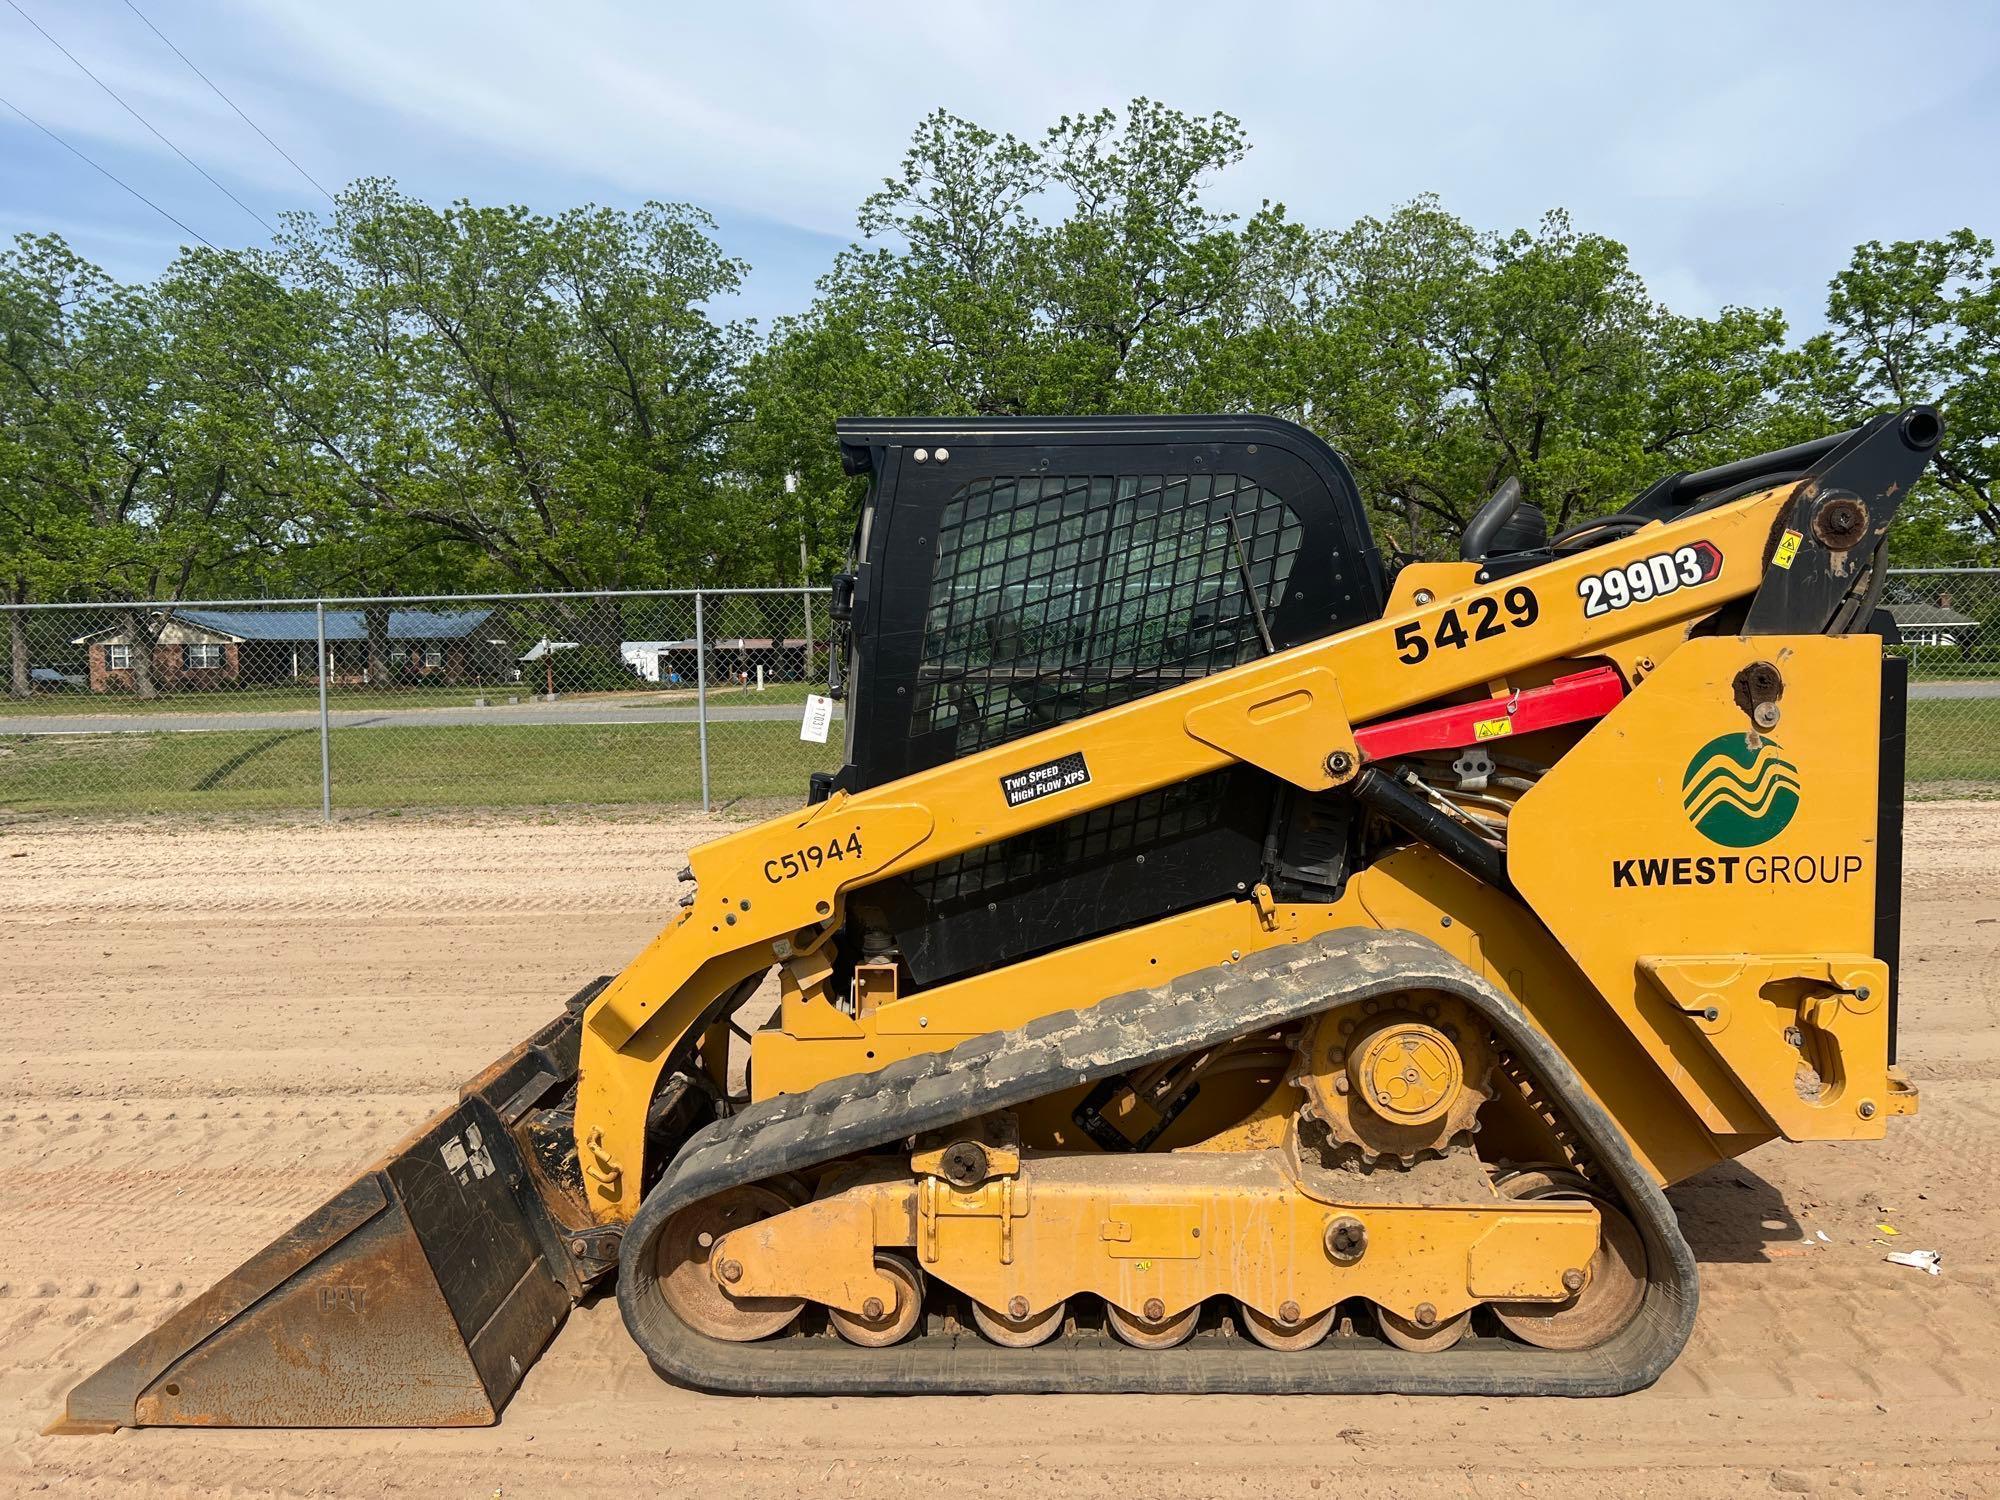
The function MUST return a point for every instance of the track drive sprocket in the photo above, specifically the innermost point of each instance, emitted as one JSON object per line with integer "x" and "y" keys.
{"x": 1396, "y": 1080}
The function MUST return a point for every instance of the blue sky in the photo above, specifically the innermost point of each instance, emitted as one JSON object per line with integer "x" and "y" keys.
{"x": 1739, "y": 149}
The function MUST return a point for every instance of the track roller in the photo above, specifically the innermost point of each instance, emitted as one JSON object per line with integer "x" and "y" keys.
{"x": 1156, "y": 1332}
{"x": 876, "y": 1326}
{"x": 1023, "y": 1332}
{"x": 1423, "y": 1338}
{"x": 1287, "y": 1334}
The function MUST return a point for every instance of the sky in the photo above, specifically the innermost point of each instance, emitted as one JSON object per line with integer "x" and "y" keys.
{"x": 1741, "y": 150}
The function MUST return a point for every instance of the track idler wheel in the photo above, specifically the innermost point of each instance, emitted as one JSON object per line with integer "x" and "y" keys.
{"x": 696, "y": 1289}
{"x": 1615, "y": 1280}
{"x": 1282, "y": 1333}
{"x": 1419, "y": 1336}
{"x": 1154, "y": 1332}
{"x": 876, "y": 1326}
{"x": 1024, "y": 1332}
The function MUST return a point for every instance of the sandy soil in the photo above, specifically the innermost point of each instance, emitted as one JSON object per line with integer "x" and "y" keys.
{"x": 211, "y": 1029}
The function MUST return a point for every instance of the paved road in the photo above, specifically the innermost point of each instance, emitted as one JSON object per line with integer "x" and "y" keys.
{"x": 1990, "y": 688}
{"x": 591, "y": 712}
{"x": 597, "y": 712}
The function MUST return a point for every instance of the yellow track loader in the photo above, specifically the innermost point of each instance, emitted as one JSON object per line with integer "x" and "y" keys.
{"x": 1220, "y": 963}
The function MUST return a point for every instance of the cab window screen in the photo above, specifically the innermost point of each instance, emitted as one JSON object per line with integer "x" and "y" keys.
{"x": 1054, "y": 597}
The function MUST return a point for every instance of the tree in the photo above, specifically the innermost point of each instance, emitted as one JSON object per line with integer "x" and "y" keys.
{"x": 1086, "y": 274}
{"x": 1081, "y": 273}
{"x": 1443, "y": 360}
{"x": 29, "y": 514}
{"x": 1919, "y": 321}
{"x": 128, "y": 462}
{"x": 402, "y": 399}
{"x": 489, "y": 396}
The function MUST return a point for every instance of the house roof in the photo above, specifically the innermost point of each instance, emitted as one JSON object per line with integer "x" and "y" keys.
{"x": 1927, "y": 614}
{"x": 300, "y": 625}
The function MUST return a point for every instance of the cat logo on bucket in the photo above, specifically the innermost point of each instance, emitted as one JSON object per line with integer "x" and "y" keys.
{"x": 1740, "y": 792}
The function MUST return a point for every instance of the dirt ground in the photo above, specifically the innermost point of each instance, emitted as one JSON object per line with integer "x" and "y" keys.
{"x": 209, "y": 1030}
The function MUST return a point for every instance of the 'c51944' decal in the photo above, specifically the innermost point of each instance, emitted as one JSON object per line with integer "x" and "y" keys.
{"x": 1649, "y": 578}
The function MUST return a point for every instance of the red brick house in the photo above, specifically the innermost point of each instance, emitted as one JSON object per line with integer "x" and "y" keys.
{"x": 207, "y": 649}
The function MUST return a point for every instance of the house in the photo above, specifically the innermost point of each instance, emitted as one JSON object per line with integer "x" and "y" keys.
{"x": 669, "y": 662}
{"x": 1933, "y": 624}
{"x": 215, "y": 648}
{"x": 729, "y": 658}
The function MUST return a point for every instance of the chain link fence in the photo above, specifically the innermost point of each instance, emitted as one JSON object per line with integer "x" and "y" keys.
{"x": 1949, "y": 619}
{"x": 660, "y": 699}
{"x": 682, "y": 698}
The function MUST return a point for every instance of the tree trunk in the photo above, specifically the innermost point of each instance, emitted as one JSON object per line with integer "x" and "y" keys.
{"x": 375, "y": 620}
{"x": 19, "y": 683}
{"x": 143, "y": 641}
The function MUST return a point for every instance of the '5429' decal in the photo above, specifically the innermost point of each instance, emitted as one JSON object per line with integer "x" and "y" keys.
{"x": 1649, "y": 578}
{"x": 1479, "y": 620}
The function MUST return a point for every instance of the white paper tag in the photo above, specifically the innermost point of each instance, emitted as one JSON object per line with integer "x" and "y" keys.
{"x": 819, "y": 716}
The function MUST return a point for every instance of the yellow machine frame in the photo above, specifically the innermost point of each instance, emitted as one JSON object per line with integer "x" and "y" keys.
{"x": 773, "y": 894}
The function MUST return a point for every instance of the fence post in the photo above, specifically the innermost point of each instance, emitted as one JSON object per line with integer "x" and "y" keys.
{"x": 325, "y": 751}
{"x": 701, "y": 694}
{"x": 806, "y": 598}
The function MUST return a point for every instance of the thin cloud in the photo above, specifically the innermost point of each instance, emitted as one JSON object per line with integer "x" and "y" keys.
{"x": 1725, "y": 143}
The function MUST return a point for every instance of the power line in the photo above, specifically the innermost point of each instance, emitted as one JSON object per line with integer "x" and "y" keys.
{"x": 228, "y": 101}
{"x": 105, "y": 170}
{"x": 15, "y": 6}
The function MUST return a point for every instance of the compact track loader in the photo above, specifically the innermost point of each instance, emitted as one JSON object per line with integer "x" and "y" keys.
{"x": 1217, "y": 966}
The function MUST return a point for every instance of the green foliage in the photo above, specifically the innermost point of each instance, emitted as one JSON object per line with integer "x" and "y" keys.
{"x": 1443, "y": 360}
{"x": 398, "y": 398}
{"x": 1946, "y": 661}
{"x": 1919, "y": 320}
{"x": 1084, "y": 273}
{"x": 547, "y": 396}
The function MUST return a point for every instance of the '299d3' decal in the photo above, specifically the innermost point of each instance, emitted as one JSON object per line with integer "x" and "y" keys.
{"x": 1649, "y": 578}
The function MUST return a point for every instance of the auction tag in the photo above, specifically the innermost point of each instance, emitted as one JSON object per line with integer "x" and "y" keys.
{"x": 819, "y": 717}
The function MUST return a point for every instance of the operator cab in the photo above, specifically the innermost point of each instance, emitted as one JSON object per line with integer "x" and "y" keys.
{"x": 1012, "y": 574}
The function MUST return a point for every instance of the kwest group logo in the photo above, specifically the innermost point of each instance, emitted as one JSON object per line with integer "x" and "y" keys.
{"x": 1740, "y": 793}
{"x": 1739, "y": 796}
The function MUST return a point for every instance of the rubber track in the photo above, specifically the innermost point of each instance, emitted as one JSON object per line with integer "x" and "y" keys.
{"x": 868, "y": 1111}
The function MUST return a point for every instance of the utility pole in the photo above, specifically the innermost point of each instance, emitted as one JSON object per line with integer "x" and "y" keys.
{"x": 805, "y": 578}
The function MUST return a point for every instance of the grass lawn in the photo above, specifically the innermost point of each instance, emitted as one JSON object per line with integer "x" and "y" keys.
{"x": 305, "y": 699}
{"x": 774, "y": 692}
{"x": 451, "y": 766}
{"x": 1954, "y": 751}
{"x": 1954, "y": 747}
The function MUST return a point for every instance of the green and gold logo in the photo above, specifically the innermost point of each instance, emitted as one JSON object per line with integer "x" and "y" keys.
{"x": 1740, "y": 793}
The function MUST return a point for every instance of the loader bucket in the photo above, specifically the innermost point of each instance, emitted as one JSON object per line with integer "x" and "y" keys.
{"x": 417, "y": 1296}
